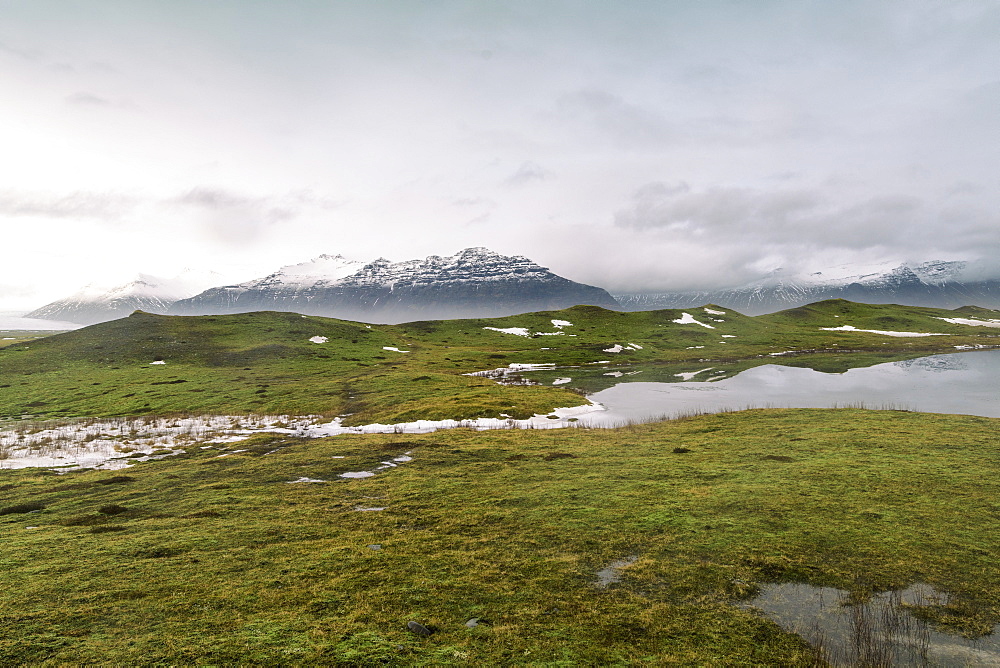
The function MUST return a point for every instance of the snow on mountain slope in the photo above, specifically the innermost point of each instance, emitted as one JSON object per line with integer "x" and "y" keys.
{"x": 940, "y": 284}
{"x": 474, "y": 282}
{"x": 325, "y": 269}
{"x": 95, "y": 303}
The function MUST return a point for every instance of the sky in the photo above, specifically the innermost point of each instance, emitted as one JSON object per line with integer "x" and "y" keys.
{"x": 634, "y": 145}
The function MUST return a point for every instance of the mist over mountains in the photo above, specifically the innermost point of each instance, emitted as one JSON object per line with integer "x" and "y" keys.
{"x": 940, "y": 284}
{"x": 477, "y": 282}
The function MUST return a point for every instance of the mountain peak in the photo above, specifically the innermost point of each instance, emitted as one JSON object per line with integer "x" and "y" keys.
{"x": 474, "y": 282}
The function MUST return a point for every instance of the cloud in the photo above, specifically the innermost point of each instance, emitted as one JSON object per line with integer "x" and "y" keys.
{"x": 23, "y": 54}
{"x": 234, "y": 218}
{"x": 527, "y": 173}
{"x": 748, "y": 229}
{"x": 625, "y": 124}
{"x": 88, "y": 99}
{"x": 107, "y": 206}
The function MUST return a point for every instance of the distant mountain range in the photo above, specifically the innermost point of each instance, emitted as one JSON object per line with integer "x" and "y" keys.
{"x": 476, "y": 282}
{"x": 938, "y": 284}
{"x": 145, "y": 292}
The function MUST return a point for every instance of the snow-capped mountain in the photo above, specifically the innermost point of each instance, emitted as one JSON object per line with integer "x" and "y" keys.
{"x": 475, "y": 282}
{"x": 95, "y": 303}
{"x": 941, "y": 284}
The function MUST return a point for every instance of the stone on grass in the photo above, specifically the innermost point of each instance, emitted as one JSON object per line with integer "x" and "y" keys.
{"x": 418, "y": 628}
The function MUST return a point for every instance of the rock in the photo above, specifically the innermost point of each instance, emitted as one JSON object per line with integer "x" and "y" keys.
{"x": 418, "y": 628}
{"x": 476, "y": 621}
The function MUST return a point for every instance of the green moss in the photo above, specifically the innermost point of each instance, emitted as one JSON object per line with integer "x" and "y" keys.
{"x": 220, "y": 560}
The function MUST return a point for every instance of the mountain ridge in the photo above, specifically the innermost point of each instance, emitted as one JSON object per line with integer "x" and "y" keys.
{"x": 939, "y": 284}
{"x": 475, "y": 282}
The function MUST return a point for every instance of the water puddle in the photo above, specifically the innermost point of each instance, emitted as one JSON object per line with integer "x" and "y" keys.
{"x": 960, "y": 383}
{"x": 611, "y": 574}
{"x": 879, "y": 631}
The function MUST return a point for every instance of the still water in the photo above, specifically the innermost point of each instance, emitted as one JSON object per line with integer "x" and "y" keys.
{"x": 967, "y": 383}
{"x": 880, "y": 630}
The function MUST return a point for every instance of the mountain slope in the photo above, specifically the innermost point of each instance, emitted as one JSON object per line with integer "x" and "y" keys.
{"x": 476, "y": 282}
{"x": 94, "y": 304}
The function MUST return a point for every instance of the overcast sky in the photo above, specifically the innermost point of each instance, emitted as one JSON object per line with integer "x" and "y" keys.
{"x": 632, "y": 145}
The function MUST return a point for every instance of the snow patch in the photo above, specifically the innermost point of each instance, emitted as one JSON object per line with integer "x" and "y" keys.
{"x": 561, "y": 381}
{"x": 157, "y": 362}
{"x": 559, "y": 324}
{"x": 318, "y": 339}
{"x": 992, "y": 322}
{"x": 691, "y": 374}
{"x": 688, "y": 319}
{"x": 394, "y": 349}
{"x": 851, "y": 328}
{"x": 617, "y": 348}
{"x": 516, "y": 331}
{"x": 714, "y": 312}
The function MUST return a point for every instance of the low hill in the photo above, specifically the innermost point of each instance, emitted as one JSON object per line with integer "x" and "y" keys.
{"x": 286, "y": 363}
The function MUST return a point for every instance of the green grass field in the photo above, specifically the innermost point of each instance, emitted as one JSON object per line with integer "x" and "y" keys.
{"x": 202, "y": 559}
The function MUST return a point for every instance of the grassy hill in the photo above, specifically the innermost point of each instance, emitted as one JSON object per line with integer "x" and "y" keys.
{"x": 266, "y": 362}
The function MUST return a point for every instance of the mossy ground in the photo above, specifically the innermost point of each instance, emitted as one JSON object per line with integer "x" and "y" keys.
{"x": 219, "y": 560}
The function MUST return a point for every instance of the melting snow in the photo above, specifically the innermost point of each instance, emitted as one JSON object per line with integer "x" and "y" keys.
{"x": 713, "y": 311}
{"x": 318, "y": 339}
{"x": 729, "y": 336}
{"x": 688, "y": 319}
{"x": 561, "y": 381}
{"x": 303, "y": 479}
{"x": 158, "y": 362}
{"x": 691, "y": 374}
{"x": 851, "y": 328}
{"x": 394, "y": 349}
{"x": 975, "y": 323}
{"x": 517, "y": 331}
{"x": 617, "y": 348}
{"x": 118, "y": 443}
{"x": 559, "y": 324}
{"x": 525, "y": 367}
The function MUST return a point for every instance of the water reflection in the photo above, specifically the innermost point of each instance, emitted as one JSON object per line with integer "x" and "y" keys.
{"x": 965, "y": 383}
{"x": 878, "y": 631}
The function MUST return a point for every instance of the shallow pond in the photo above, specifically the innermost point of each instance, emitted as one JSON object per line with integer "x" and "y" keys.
{"x": 967, "y": 383}
{"x": 878, "y": 631}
